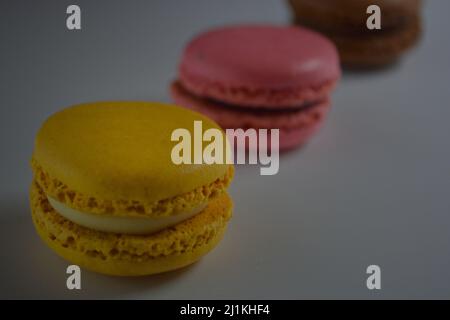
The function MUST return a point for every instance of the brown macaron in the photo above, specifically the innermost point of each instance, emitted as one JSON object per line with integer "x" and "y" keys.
{"x": 344, "y": 22}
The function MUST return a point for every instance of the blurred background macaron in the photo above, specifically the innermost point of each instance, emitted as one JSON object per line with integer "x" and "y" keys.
{"x": 261, "y": 77}
{"x": 345, "y": 22}
{"x": 107, "y": 196}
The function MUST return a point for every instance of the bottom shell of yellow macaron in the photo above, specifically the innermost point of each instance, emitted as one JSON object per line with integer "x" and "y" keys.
{"x": 131, "y": 255}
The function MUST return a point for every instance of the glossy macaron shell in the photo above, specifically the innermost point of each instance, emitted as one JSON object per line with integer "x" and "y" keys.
{"x": 249, "y": 63}
{"x": 121, "y": 150}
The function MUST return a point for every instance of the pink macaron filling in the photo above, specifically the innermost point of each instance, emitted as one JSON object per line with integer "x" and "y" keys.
{"x": 296, "y": 125}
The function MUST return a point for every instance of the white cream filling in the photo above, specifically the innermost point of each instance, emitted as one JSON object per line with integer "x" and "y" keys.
{"x": 132, "y": 225}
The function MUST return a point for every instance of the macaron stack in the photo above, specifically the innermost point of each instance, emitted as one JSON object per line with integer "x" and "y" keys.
{"x": 345, "y": 22}
{"x": 106, "y": 196}
{"x": 260, "y": 76}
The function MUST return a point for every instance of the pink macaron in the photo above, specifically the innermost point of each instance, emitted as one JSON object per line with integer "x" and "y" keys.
{"x": 260, "y": 76}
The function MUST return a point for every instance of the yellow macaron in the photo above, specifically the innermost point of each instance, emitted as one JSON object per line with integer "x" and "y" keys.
{"x": 107, "y": 196}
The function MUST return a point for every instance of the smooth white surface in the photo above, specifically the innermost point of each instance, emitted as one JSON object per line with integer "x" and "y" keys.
{"x": 371, "y": 188}
{"x": 121, "y": 224}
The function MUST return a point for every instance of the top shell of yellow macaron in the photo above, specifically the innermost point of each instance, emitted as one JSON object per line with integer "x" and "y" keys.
{"x": 115, "y": 158}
